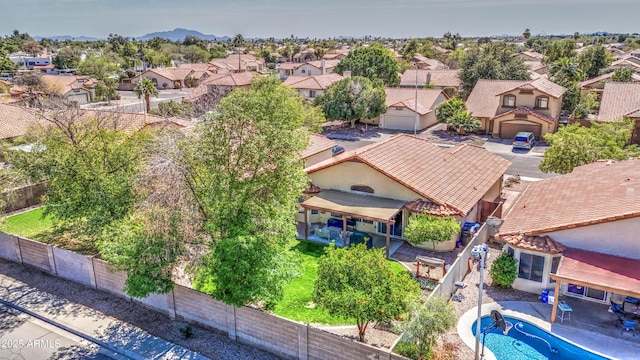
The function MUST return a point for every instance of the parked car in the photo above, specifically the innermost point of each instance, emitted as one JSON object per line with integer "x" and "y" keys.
{"x": 337, "y": 150}
{"x": 524, "y": 140}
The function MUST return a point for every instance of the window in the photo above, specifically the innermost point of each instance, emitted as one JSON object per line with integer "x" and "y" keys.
{"x": 554, "y": 267}
{"x": 510, "y": 251}
{"x": 362, "y": 188}
{"x": 585, "y": 292}
{"x": 312, "y": 93}
{"x": 398, "y": 109}
{"x": 531, "y": 267}
{"x": 314, "y": 212}
{"x": 542, "y": 102}
{"x": 303, "y": 71}
{"x": 509, "y": 101}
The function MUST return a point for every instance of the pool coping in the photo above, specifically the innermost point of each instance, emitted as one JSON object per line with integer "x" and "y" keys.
{"x": 507, "y": 309}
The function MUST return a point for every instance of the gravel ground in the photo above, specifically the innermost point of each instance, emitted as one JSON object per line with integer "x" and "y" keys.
{"x": 215, "y": 345}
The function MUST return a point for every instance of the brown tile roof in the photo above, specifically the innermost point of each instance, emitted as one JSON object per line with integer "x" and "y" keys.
{"x": 67, "y": 83}
{"x": 421, "y": 206}
{"x": 533, "y": 54}
{"x": 312, "y": 189}
{"x": 484, "y": 99}
{"x": 595, "y": 193}
{"x": 406, "y": 98}
{"x": 234, "y": 80}
{"x": 626, "y": 62}
{"x": 315, "y": 82}
{"x": 457, "y": 177}
{"x": 317, "y": 144}
{"x": 173, "y": 74}
{"x": 535, "y": 65}
{"x": 618, "y": 100}
{"x": 527, "y": 111}
{"x": 427, "y": 63}
{"x": 536, "y": 243}
{"x": 15, "y": 120}
{"x": 442, "y": 78}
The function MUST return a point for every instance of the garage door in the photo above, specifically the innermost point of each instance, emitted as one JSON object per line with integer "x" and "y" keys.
{"x": 509, "y": 130}
{"x": 399, "y": 122}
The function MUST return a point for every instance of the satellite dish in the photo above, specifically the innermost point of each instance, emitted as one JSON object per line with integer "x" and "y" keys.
{"x": 498, "y": 320}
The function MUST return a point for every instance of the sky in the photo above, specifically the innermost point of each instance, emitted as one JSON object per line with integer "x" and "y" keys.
{"x": 318, "y": 19}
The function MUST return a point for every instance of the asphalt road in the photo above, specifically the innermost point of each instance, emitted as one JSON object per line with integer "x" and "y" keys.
{"x": 129, "y": 101}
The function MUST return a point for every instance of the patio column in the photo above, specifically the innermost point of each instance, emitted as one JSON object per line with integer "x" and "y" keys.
{"x": 344, "y": 230}
{"x": 388, "y": 237}
{"x": 306, "y": 224}
{"x": 556, "y": 296}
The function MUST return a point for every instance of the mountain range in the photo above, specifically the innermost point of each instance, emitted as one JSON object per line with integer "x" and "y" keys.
{"x": 177, "y": 34}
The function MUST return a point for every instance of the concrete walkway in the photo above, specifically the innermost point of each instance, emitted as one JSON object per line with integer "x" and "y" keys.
{"x": 119, "y": 339}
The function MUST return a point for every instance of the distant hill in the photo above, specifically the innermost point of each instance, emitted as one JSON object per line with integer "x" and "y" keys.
{"x": 66, "y": 37}
{"x": 179, "y": 34}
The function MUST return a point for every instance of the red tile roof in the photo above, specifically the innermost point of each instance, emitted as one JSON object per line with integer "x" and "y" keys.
{"x": 67, "y": 83}
{"x": 441, "y": 78}
{"x": 527, "y": 111}
{"x": 406, "y": 98}
{"x": 317, "y": 144}
{"x": 421, "y": 206}
{"x": 457, "y": 177}
{"x": 600, "y": 192}
{"x": 618, "y": 100}
{"x": 173, "y": 74}
{"x": 15, "y": 120}
{"x": 484, "y": 99}
{"x": 314, "y": 82}
{"x": 536, "y": 243}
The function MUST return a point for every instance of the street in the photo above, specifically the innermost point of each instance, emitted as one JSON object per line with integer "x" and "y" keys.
{"x": 129, "y": 101}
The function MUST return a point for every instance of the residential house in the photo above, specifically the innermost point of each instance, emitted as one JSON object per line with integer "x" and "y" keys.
{"x": 424, "y": 63}
{"x": 21, "y": 59}
{"x": 627, "y": 60}
{"x": 220, "y": 84}
{"x": 444, "y": 79}
{"x": 577, "y": 233}
{"x": 596, "y": 84}
{"x": 199, "y": 73}
{"x": 376, "y": 188}
{"x": 308, "y": 54}
{"x": 310, "y": 68}
{"x": 237, "y": 63}
{"x": 621, "y": 100}
{"x": 531, "y": 56}
{"x": 16, "y": 121}
{"x": 167, "y": 78}
{"x": 505, "y": 107}
{"x": 319, "y": 149}
{"x": 80, "y": 89}
{"x": 336, "y": 54}
{"x": 312, "y": 86}
{"x": 402, "y": 113}
{"x": 536, "y": 68}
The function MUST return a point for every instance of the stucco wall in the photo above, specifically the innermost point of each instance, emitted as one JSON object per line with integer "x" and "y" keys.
{"x": 528, "y": 100}
{"x": 316, "y": 158}
{"x": 343, "y": 176}
{"x": 619, "y": 238}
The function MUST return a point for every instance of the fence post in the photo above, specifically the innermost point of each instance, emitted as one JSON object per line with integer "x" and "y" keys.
{"x": 52, "y": 259}
{"x": 231, "y": 322}
{"x": 92, "y": 273}
{"x": 303, "y": 342}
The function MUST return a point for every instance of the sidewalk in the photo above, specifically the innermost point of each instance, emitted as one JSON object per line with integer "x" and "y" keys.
{"x": 124, "y": 340}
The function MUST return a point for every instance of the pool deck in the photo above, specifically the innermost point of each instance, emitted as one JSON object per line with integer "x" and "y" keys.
{"x": 585, "y": 328}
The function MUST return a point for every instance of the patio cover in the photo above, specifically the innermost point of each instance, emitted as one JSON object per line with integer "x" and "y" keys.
{"x": 360, "y": 206}
{"x": 598, "y": 271}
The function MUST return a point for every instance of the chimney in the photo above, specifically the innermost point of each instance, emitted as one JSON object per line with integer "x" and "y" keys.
{"x": 323, "y": 66}
{"x": 346, "y": 74}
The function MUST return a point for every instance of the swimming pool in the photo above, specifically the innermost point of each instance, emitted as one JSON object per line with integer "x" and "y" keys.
{"x": 527, "y": 341}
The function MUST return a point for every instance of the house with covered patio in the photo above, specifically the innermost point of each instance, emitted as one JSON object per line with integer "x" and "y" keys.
{"x": 576, "y": 234}
{"x": 375, "y": 189}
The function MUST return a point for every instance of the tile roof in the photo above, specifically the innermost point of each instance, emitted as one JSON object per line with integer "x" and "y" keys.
{"x": 314, "y": 82}
{"x": 594, "y": 193}
{"x": 527, "y": 111}
{"x": 67, "y": 83}
{"x": 15, "y": 120}
{"x": 457, "y": 177}
{"x": 172, "y": 73}
{"x": 421, "y": 206}
{"x": 231, "y": 79}
{"x": 406, "y": 98}
{"x": 536, "y": 243}
{"x": 317, "y": 144}
{"x": 635, "y": 77}
{"x": 431, "y": 64}
{"x": 442, "y": 78}
{"x": 484, "y": 99}
{"x": 618, "y": 100}
{"x": 533, "y": 54}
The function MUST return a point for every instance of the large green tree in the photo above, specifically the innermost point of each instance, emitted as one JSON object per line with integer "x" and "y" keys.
{"x": 593, "y": 60}
{"x": 491, "y": 61}
{"x": 103, "y": 70}
{"x": 423, "y": 228}
{"x": 373, "y": 62}
{"x": 352, "y": 99}
{"x": 577, "y": 145}
{"x": 67, "y": 57}
{"x": 358, "y": 283}
{"x": 565, "y": 48}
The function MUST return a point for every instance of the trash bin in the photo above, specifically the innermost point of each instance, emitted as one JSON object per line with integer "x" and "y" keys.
{"x": 544, "y": 297}
{"x": 468, "y": 229}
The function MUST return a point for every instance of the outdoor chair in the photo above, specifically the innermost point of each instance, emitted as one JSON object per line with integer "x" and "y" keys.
{"x": 616, "y": 309}
{"x": 565, "y": 311}
{"x": 629, "y": 326}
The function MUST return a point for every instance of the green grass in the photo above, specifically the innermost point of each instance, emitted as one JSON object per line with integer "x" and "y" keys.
{"x": 297, "y": 303}
{"x": 29, "y": 224}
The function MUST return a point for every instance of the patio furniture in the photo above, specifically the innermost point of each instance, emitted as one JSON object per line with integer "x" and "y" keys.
{"x": 629, "y": 326}
{"x": 616, "y": 309}
{"x": 565, "y": 311}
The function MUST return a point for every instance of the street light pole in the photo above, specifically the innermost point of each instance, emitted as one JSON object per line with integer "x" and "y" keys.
{"x": 415, "y": 120}
{"x": 483, "y": 254}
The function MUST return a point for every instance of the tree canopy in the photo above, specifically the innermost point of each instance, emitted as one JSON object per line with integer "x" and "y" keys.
{"x": 352, "y": 99}
{"x": 491, "y": 61}
{"x": 359, "y": 283}
{"x": 373, "y": 62}
{"x": 575, "y": 145}
{"x": 424, "y": 227}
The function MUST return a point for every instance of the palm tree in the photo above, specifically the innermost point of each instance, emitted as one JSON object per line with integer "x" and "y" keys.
{"x": 147, "y": 88}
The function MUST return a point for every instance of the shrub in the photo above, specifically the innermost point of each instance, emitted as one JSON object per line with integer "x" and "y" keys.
{"x": 504, "y": 270}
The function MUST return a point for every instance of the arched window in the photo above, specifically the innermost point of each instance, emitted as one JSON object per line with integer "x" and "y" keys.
{"x": 509, "y": 101}
{"x": 362, "y": 188}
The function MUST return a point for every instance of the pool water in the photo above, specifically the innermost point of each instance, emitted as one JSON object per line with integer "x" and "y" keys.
{"x": 527, "y": 341}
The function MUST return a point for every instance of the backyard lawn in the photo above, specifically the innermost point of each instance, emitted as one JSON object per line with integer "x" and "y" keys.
{"x": 29, "y": 224}
{"x": 297, "y": 303}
